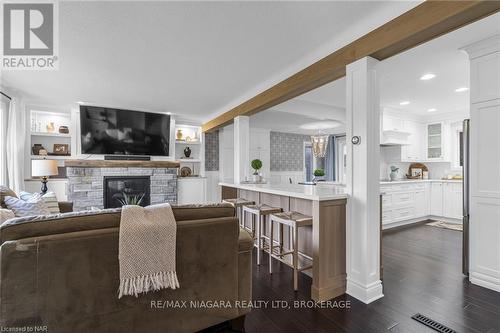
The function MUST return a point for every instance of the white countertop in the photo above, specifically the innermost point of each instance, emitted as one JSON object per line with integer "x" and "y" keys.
{"x": 406, "y": 181}
{"x": 310, "y": 192}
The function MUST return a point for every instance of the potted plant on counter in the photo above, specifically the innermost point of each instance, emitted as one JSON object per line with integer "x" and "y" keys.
{"x": 319, "y": 175}
{"x": 256, "y": 166}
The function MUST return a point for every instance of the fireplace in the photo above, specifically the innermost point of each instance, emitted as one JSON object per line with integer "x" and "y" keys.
{"x": 125, "y": 190}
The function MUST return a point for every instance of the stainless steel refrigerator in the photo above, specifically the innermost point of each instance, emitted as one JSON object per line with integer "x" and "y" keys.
{"x": 465, "y": 159}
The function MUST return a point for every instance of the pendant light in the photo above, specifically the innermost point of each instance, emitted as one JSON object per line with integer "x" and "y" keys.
{"x": 319, "y": 144}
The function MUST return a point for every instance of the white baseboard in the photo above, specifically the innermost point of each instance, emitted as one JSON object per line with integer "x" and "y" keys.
{"x": 365, "y": 294}
{"x": 485, "y": 281}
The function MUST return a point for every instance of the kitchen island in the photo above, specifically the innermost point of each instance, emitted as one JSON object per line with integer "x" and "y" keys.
{"x": 324, "y": 242}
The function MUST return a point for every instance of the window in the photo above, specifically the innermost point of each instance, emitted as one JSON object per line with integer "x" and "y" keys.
{"x": 334, "y": 162}
{"x": 341, "y": 160}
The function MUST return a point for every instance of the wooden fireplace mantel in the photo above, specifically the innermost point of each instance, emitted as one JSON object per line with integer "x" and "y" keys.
{"x": 120, "y": 164}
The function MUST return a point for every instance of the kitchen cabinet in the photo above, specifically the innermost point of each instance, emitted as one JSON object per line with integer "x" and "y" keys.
{"x": 414, "y": 150}
{"x": 422, "y": 202}
{"x": 437, "y": 142}
{"x": 390, "y": 123}
{"x": 409, "y": 202}
{"x": 452, "y": 200}
{"x": 437, "y": 199}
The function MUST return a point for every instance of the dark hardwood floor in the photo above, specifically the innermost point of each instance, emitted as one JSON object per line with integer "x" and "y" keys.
{"x": 422, "y": 274}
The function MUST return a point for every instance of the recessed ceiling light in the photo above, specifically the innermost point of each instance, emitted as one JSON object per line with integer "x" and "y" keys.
{"x": 432, "y": 110}
{"x": 427, "y": 76}
{"x": 461, "y": 89}
{"x": 404, "y": 103}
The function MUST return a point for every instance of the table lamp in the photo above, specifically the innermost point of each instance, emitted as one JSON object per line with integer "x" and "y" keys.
{"x": 43, "y": 169}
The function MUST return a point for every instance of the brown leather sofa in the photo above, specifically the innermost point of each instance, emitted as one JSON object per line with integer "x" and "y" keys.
{"x": 61, "y": 272}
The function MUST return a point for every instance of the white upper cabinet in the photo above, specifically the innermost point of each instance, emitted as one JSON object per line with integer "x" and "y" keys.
{"x": 414, "y": 151}
{"x": 390, "y": 123}
{"x": 437, "y": 142}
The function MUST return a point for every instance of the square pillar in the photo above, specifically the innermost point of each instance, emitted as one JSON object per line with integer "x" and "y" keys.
{"x": 241, "y": 148}
{"x": 363, "y": 185}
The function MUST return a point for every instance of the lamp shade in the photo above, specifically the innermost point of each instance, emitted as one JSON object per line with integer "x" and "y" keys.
{"x": 43, "y": 168}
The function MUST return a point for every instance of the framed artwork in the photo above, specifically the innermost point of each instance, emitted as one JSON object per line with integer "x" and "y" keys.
{"x": 61, "y": 149}
{"x": 416, "y": 173}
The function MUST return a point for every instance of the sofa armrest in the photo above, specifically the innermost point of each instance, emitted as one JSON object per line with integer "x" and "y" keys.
{"x": 245, "y": 241}
{"x": 65, "y": 206}
{"x": 245, "y": 247}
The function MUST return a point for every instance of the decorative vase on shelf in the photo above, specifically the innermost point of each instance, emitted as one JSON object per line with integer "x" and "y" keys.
{"x": 187, "y": 152}
{"x": 179, "y": 134}
{"x": 394, "y": 173}
{"x": 50, "y": 127}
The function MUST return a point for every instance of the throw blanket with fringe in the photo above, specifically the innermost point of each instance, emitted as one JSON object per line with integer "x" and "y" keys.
{"x": 147, "y": 249}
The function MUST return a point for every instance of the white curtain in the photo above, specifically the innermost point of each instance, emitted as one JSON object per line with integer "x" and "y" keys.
{"x": 16, "y": 134}
{"x": 4, "y": 109}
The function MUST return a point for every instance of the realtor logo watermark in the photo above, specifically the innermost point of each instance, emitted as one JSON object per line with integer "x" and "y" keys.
{"x": 30, "y": 36}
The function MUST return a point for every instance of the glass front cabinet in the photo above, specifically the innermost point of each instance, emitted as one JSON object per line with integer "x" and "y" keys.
{"x": 435, "y": 141}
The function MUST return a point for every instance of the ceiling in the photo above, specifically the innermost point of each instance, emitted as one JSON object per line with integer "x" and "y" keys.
{"x": 399, "y": 81}
{"x": 194, "y": 59}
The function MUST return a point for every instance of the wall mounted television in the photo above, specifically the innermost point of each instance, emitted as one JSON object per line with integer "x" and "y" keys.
{"x": 110, "y": 131}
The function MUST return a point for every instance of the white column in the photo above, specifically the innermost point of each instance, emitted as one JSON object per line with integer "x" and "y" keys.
{"x": 226, "y": 154}
{"x": 363, "y": 165}
{"x": 484, "y": 173}
{"x": 241, "y": 148}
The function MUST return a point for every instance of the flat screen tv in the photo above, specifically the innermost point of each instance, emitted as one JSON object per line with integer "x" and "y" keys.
{"x": 111, "y": 131}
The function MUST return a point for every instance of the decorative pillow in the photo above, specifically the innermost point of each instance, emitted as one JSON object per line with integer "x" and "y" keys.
{"x": 49, "y": 198}
{"x": 5, "y": 191}
{"x": 6, "y": 214}
{"x": 25, "y": 208}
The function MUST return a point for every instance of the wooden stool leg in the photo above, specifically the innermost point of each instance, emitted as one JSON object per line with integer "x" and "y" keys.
{"x": 295, "y": 258}
{"x": 259, "y": 238}
{"x": 271, "y": 246}
{"x": 280, "y": 237}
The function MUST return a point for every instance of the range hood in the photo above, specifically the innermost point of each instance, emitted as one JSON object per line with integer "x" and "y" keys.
{"x": 394, "y": 138}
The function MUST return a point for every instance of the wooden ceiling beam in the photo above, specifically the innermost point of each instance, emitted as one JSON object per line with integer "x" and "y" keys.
{"x": 427, "y": 21}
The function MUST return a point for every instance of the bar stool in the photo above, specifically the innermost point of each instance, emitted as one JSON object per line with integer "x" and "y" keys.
{"x": 238, "y": 203}
{"x": 259, "y": 213}
{"x": 294, "y": 220}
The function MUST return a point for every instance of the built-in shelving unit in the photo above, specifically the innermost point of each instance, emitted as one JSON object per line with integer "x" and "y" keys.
{"x": 190, "y": 136}
{"x": 44, "y": 131}
{"x": 44, "y": 124}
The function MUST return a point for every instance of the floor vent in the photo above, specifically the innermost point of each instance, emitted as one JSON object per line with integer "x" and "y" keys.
{"x": 432, "y": 324}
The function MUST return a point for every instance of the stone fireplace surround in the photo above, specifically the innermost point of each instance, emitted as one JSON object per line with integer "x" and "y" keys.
{"x": 86, "y": 180}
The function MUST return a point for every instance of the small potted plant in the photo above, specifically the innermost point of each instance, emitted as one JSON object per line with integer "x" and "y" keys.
{"x": 319, "y": 175}
{"x": 256, "y": 166}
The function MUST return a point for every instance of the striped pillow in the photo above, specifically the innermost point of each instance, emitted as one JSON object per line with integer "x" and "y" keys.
{"x": 49, "y": 198}
{"x": 25, "y": 208}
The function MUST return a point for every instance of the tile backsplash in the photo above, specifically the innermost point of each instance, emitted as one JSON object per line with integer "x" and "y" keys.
{"x": 287, "y": 151}
{"x": 212, "y": 151}
{"x": 389, "y": 156}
